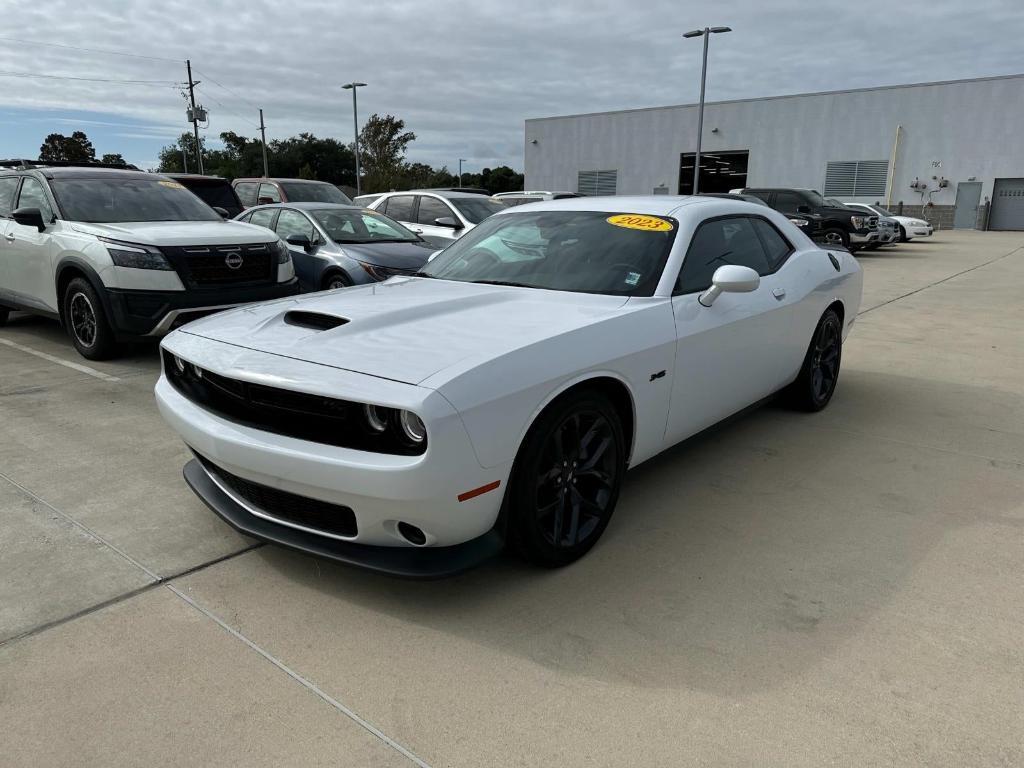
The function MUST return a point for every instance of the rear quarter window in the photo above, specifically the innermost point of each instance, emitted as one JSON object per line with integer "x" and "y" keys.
{"x": 8, "y": 186}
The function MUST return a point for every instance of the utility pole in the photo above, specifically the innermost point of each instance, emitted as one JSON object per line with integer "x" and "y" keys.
{"x": 184, "y": 160}
{"x": 195, "y": 122}
{"x": 263, "y": 136}
{"x": 461, "y": 161}
{"x": 353, "y": 86}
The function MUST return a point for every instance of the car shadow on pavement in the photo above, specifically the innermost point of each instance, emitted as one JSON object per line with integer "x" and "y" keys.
{"x": 734, "y": 562}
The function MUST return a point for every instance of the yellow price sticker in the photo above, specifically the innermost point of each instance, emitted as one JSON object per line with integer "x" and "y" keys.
{"x": 638, "y": 221}
{"x": 171, "y": 185}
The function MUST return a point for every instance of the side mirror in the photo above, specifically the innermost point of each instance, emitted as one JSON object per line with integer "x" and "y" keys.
{"x": 803, "y": 209}
{"x": 29, "y": 217}
{"x": 448, "y": 221}
{"x": 221, "y": 212}
{"x": 299, "y": 241}
{"x": 732, "y": 278}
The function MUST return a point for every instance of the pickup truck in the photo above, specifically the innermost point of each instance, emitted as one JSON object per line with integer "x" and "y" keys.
{"x": 834, "y": 226}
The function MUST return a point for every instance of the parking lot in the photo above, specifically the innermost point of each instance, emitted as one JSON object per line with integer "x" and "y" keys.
{"x": 790, "y": 589}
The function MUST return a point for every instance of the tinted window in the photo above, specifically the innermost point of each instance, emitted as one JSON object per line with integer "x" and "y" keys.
{"x": 560, "y": 250}
{"x": 431, "y": 208}
{"x": 34, "y": 196}
{"x": 760, "y": 195}
{"x": 294, "y": 223}
{"x": 364, "y": 200}
{"x": 313, "y": 192}
{"x": 246, "y": 191}
{"x": 215, "y": 193}
{"x": 718, "y": 242}
{"x": 268, "y": 194}
{"x": 355, "y": 226}
{"x": 776, "y": 248}
{"x": 400, "y": 207}
{"x": 788, "y": 201}
{"x": 8, "y": 186}
{"x": 264, "y": 217}
{"x": 135, "y": 198}
{"x": 476, "y": 209}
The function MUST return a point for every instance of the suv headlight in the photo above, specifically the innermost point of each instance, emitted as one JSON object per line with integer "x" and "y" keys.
{"x": 135, "y": 256}
{"x": 858, "y": 222}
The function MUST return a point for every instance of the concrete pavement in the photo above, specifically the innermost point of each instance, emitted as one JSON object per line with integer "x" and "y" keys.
{"x": 839, "y": 588}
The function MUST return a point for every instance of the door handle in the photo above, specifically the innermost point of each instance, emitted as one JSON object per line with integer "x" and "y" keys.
{"x": 9, "y": 237}
{"x": 779, "y": 293}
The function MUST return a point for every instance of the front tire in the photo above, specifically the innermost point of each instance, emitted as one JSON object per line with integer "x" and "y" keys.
{"x": 566, "y": 479}
{"x": 819, "y": 374}
{"x": 4, "y": 314}
{"x": 903, "y": 235}
{"x": 835, "y": 238}
{"x": 87, "y": 323}
{"x": 335, "y": 280}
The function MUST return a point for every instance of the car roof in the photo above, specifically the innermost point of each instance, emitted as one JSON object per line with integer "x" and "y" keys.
{"x": 440, "y": 193}
{"x": 194, "y": 177}
{"x": 309, "y": 206}
{"x": 658, "y": 205}
{"x": 281, "y": 178}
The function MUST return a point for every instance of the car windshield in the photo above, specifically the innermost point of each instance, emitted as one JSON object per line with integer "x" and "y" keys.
{"x": 101, "y": 201}
{"x": 816, "y": 200}
{"x": 582, "y": 251}
{"x": 313, "y": 192}
{"x": 880, "y": 210}
{"x": 476, "y": 209}
{"x": 354, "y": 226}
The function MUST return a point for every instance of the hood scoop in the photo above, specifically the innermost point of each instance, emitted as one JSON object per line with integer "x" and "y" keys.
{"x": 315, "y": 321}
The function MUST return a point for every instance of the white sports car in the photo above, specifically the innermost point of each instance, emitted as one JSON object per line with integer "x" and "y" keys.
{"x": 416, "y": 426}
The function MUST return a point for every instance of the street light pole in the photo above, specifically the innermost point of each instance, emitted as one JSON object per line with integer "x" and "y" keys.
{"x": 355, "y": 125}
{"x": 461, "y": 161}
{"x": 705, "y": 33}
{"x": 263, "y": 138}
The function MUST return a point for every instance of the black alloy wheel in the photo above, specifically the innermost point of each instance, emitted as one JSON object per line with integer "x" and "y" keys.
{"x": 86, "y": 321}
{"x": 814, "y": 387}
{"x": 566, "y": 482}
{"x": 83, "y": 319}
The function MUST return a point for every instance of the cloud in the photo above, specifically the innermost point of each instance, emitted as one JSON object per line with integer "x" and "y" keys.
{"x": 464, "y": 75}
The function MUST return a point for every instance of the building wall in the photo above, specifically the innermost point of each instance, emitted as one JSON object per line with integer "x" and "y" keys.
{"x": 971, "y": 127}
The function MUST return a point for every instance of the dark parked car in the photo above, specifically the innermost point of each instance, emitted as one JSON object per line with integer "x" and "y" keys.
{"x": 835, "y": 226}
{"x": 805, "y": 222}
{"x": 266, "y": 191}
{"x": 334, "y": 246}
{"x": 215, "y": 191}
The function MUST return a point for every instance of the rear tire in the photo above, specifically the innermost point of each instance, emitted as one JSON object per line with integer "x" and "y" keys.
{"x": 816, "y": 382}
{"x": 87, "y": 322}
{"x": 566, "y": 479}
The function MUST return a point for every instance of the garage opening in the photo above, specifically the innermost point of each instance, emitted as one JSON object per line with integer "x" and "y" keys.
{"x": 1007, "y": 205}
{"x": 719, "y": 171}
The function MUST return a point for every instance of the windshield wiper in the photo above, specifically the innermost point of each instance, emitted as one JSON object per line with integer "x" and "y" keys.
{"x": 421, "y": 274}
{"x": 503, "y": 282}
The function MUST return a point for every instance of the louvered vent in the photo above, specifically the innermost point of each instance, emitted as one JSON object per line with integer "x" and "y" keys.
{"x": 597, "y": 182}
{"x": 856, "y": 178}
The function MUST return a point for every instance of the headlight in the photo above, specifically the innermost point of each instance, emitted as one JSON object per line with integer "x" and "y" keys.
{"x": 858, "y": 222}
{"x": 136, "y": 256}
{"x": 376, "y": 417}
{"x": 377, "y": 273}
{"x": 281, "y": 248}
{"x": 800, "y": 222}
{"x": 412, "y": 427}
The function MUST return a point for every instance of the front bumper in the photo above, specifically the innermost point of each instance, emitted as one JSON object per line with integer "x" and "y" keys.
{"x": 920, "y": 231}
{"x": 864, "y": 236}
{"x": 154, "y": 313}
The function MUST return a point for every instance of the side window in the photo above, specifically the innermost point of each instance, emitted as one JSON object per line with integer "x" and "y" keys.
{"x": 8, "y": 186}
{"x": 269, "y": 193}
{"x": 730, "y": 240}
{"x": 264, "y": 217}
{"x": 294, "y": 223}
{"x": 431, "y": 208}
{"x": 788, "y": 201}
{"x": 776, "y": 247}
{"x": 246, "y": 191}
{"x": 34, "y": 196}
{"x": 400, "y": 208}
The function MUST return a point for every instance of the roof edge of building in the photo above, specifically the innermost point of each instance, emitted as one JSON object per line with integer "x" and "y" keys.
{"x": 780, "y": 96}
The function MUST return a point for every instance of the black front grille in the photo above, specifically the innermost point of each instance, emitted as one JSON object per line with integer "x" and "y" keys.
{"x": 316, "y": 418}
{"x": 287, "y": 507}
{"x": 214, "y": 265}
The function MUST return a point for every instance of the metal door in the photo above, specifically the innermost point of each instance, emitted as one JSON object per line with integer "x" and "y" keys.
{"x": 968, "y": 195}
{"x": 1007, "y": 204}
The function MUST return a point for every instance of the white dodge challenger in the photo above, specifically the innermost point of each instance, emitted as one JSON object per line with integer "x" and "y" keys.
{"x": 418, "y": 425}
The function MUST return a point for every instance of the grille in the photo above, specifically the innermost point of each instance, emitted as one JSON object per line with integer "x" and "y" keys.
{"x": 288, "y": 507}
{"x": 315, "y": 418}
{"x": 203, "y": 265}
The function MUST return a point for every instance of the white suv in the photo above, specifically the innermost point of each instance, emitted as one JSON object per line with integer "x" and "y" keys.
{"x": 115, "y": 255}
{"x": 438, "y": 216}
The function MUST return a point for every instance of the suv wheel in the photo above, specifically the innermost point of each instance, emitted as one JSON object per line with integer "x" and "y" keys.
{"x": 836, "y": 238}
{"x": 86, "y": 321}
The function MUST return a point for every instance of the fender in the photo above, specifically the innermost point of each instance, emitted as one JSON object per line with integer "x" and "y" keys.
{"x": 69, "y": 261}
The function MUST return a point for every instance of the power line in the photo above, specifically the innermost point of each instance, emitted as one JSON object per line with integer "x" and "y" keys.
{"x": 89, "y": 50}
{"x": 225, "y": 108}
{"x": 226, "y": 89}
{"x": 160, "y": 83}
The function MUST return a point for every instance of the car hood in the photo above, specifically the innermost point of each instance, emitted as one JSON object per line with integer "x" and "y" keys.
{"x": 394, "y": 255}
{"x": 407, "y": 329}
{"x": 179, "y": 232}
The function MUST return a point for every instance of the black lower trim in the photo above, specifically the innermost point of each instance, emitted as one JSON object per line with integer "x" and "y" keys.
{"x": 407, "y": 562}
{"x": 137, "y": 313}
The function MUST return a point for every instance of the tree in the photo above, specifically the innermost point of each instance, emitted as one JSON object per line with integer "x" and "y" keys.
{"x": 113, "y": 158}
{"x": 383, "y": 142}
{"x": 75, "y": 148}
{"x": 171, "y": 157}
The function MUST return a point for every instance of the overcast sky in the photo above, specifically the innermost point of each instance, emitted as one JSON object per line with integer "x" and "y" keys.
{"x": 463, "y": 74}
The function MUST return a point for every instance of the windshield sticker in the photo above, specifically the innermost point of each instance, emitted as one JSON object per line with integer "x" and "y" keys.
{"x": 636, "y": 221}
{"x": 171, "y": 184}
{"x": 632, "y": 278}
